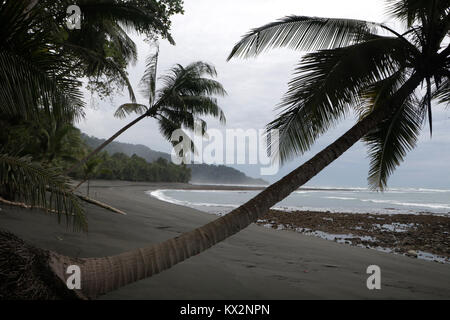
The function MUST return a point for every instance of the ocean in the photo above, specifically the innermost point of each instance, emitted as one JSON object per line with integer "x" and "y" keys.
{"x": 349, "y": 200}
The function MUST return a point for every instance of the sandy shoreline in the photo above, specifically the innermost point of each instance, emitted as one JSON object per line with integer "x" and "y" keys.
{"x": 257, "y": 263}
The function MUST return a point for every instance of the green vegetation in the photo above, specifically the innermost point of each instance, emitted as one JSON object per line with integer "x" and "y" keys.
{"x": 59, "y": 145}
{"x": 119, "y": 166}
{"x": 187, "y": 94}
{"x": 200, "y": 173}
{"x": 127, "y": 148}
{"x": 28, "y": 181}
{"x": 41, "y": 62}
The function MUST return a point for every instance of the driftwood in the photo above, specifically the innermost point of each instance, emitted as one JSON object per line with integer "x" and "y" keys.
{"x": 94, "y": 202}
{"x": 23, "y": 205}
{"x": 17, "y": 204}
{"x": 81, "y": 182}
{"x": 84, "y": 198}
{"x": 100, "y": 204}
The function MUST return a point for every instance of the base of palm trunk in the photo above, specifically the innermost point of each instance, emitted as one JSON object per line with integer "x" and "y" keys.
{"x": 25, "y": 272}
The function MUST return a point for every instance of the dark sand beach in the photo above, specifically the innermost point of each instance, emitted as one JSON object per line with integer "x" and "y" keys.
{"x": 257, "y": 263}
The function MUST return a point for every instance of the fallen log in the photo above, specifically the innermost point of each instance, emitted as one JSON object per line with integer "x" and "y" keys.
{"x": 100, "y": 204}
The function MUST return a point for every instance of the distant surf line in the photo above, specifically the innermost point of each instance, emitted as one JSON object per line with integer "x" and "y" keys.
{"x": 161, "y": 194}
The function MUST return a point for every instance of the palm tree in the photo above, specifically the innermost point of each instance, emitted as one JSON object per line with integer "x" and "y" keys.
{"x": 90, "y": 169}
{"x": 355, "y": 68}
{"x": 40, "y": 61}
{"x": 378, "y": 75}
{"x": 33, "y": 86}
{"x": 184, "y": 97}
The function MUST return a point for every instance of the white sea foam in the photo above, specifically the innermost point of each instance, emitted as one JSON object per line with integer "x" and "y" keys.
{"x": 388, "y": 190}
{"x": 409, "y": 204}
{"x": 302, "y": 200}
{"x": 341, "y": 198}
{"x": 229, "y": 185}
{"x": 159, "y": 194}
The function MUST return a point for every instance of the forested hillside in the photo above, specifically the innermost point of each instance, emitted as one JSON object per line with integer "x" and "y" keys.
{"x": 200, "y": 173}
{"x": 126, "y": 148}
{"x": 205, "y": 173}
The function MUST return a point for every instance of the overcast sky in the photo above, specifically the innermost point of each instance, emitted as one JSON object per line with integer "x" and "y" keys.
{"x": 209, "y": 29}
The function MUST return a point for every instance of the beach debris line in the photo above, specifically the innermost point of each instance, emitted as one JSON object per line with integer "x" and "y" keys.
{"x": 420, "y": 236}
{"x": 84, "y": 198}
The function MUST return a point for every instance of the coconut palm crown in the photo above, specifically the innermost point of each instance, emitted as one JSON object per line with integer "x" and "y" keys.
{"x": 359, "y": 65}
{"x": 184, "y": 97}
{"x": 187, "y": 94}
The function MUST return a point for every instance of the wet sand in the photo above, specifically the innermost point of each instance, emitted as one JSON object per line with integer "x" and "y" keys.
{"x": 257, "y": 263}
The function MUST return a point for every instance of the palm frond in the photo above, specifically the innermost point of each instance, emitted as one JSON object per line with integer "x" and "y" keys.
{"x": 26, "y": 87}
{"x": 185, "y": 89}
{"x": 124, "y": 44}
{"x": 201, "y": 68}
{"x": 128, "y": 108}
{"x": 182, "y": 119}
{"x": 128, "y": 14}
{"x": 391, "y": 139}
{"x": 192, "y": 77}
{"x": 412, "y": 11}
{"x": 302, "y": 33}
{"x": 197, "y": 85}
{"x": 99, "y": 64}
{"x": 148, "y": 81}
{"x": 390, "y": 142}
{"x": 167, "y": 127}
{"x": 42, "y": 187}
{"x": 442, "y": 94}
{"x": 32, "y": 74}
{"x": 318, "y": 96}
{"x": 203, "y": 106}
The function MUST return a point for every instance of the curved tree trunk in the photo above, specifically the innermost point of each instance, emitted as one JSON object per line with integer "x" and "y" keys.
{"x": 79, "y": 184}
{"x": 102, "y": 275}
{"x": 104, "y": 144}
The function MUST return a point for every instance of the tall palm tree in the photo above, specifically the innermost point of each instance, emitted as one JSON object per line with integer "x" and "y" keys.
{"x": 383, "y": 86}
{"x": 184, "y": 97}
{"x": 356, "y": 68}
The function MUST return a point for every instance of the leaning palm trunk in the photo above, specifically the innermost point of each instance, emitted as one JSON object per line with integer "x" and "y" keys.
{"x": 103, "y": 145}
{"x": 174, "y": 108}
{"x": 79, "y": 184}
{"x": 103, "y": 275}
